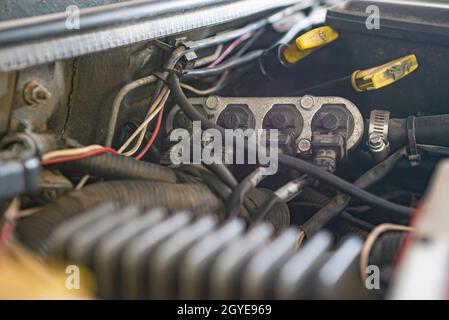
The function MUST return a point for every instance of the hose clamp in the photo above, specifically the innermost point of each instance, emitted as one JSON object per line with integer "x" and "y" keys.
{"x": 378, "y": 134}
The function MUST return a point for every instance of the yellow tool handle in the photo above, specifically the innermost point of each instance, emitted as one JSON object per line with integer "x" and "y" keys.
{"x": 384, "y": 75}
{"x": 309, "y": 42}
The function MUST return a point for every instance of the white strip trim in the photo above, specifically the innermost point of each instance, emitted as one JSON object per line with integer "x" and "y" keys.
{"x": 25, "y": 55}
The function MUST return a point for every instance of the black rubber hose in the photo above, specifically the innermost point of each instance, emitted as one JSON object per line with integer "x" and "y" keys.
{"x": 432, "y": 150}
{"x": 384, "y": 254}
{"x": 385, "y": 248}
{"x": 433, "y": 130}
{"x": 117, "y": 167}
{"x": 339, "y": 203}
{"x": 196, "y": 197}
{"x": 295, "y": 163}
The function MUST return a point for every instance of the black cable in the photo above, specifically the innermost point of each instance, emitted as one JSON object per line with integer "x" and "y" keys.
{"x": 295, "y": 163}
{"x": 235, "y": 202}
{"x": 214, "y": 183}
{"x": 248, "y": 44}
{"x": 266, "y": 207}
{"x": 223, "y": 173}
{"x": 283, "y": 194}
{"x": 221, "y": 83}
{"x": 192, "y": 74}
{"x": 339, "y": 203}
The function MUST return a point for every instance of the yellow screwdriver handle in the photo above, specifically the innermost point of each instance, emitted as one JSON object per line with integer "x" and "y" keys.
{"x": 309, "y": 42}
{"x": 384, "y": 75}
{"x": 317, "y": 37}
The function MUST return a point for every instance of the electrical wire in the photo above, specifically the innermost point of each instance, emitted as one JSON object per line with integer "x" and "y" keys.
{"x": 285, "y": 193}
{"x": 157, "y": 102}
{"x": 116, "y": 107}
{"x": 155, "y": 133}
{"x": 191, "y": 74}
{"x": 220, "y": 83}
{"x": 210, "y": 179}
{"x": 231, "y": 48}
{"x": 317, "y": 16}
{"x": 80, "y": 151}
{"x": 118, "y": 102}
{"x": 202, "y": 92}
{"x": 248, "y": 44}
{"x": 371, "y": 239}
{"x": 70, "y": 152}
{"x": 145, "y": 122}
{"x": 82, "y": 182}
{"x": 254, "y": 26}
{"x": 235, "y": 202}
{"x": 223, "y": 173}
{"x": 78, "y": 157}
{"x": 339, "y": 203}
{"x": 11, "y": 215}
{"x": 209, "y": 59}
{"x": 292, "y": 162}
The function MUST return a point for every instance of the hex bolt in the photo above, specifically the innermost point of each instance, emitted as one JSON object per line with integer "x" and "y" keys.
{"x": 212, "y": 102}
{"x": 34, "y": 93}
{"x": 375, "y": 141}
{"x": 304, "y": 145}
{"x": 307, "y": 102}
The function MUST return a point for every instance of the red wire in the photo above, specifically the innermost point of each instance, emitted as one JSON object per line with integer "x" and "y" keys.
{"x": 79, "y": 157}
{"x": 153, "y": 137}
{"x": 110, "y": 150}
{"x": 231, "y": 47}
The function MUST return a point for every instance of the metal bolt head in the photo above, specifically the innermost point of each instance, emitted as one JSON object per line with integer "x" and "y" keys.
{"x": 34, "y": 93}
{"x": 304, "y": 145}
{"x": 212, "y": 102}
{"x": 307, "y": 102}
{"x": 375, "y": 141}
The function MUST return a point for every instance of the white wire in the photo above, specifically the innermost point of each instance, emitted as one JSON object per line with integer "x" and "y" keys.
{"x": 145, "y": 123}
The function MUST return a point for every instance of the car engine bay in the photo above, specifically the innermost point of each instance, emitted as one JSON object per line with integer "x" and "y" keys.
{"x": 234, "y": 149}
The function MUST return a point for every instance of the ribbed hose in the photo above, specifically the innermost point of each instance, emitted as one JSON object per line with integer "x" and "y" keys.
{"x": 34, "y": 230}
{"x": 384, "y": 254}
{"x": 385, "y": 249}
{"x": 117, "y": 167}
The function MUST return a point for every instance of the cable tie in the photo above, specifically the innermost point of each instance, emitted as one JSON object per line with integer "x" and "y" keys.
{"x": 414, "y": 157}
